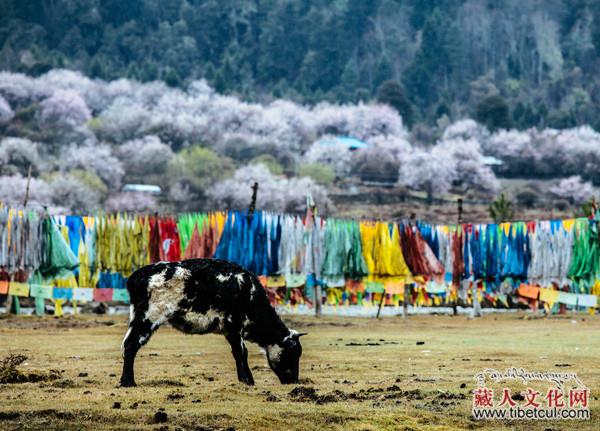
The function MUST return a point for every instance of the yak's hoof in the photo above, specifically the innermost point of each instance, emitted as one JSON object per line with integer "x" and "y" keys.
{"x": 127, "y": 383}
{"x": 249, "y": 382}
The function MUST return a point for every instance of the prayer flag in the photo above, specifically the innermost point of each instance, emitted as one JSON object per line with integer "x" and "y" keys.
{"x": 103, "y": 294}
{"x": 275, "y": 281}
{"x": 550, "y": 296}
{"x": 587, "y": 300}
{"x": 529, "y": 291}
{"x": 121, "y": 295}
{"x": 18, "y": 289}
{"x": 83, "y": 294}
{"x": 567, "y": 298}
{"x": 295, "y": 280}
{"x": 62, "y": 293}
{"x": 40, "y": 291}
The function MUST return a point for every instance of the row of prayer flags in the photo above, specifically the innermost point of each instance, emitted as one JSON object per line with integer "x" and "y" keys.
{"x": 84, "y": 294}
{"x": 551, "y": 296}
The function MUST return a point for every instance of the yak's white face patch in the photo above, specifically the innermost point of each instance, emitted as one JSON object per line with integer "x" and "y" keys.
{"x": 223, "y": 278}
{"x": 201, "y": 322}
{"x": 165, "y": 295}
{"x": 292, "y": 334}
{"x": 274, "y": 353}
{"x": 240, "y": 278}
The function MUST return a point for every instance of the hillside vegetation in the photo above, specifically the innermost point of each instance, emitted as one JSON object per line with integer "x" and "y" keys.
{"x": 85, "y": 138}
{"x": 532, "y": 63}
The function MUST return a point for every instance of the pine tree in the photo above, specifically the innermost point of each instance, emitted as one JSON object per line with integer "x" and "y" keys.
{"x": 172, "y": 78}
{"x": 501, "y": 210}
{"x": 494, "y": 113}
{"x": 392, "y": 94}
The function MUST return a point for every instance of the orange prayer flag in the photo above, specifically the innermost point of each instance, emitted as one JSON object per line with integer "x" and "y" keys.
{"x": 529, "y": 291}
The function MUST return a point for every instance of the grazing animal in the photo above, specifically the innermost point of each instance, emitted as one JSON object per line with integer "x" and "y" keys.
{"x": 201, "y": 296}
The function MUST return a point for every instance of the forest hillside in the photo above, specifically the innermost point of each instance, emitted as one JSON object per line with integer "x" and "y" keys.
{"x": 539, "y": 57}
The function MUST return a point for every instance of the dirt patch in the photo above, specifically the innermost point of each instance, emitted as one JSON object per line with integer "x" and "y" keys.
{"x": 63, "y": 383}
{"x": 389, "y": 393}
{"x": 310, "y": 394}
{"x": 307, "y": 324}
{"x": 160, "y": 417}
{"x": 9, "y": 416}
{"x": 9, "y": 373}
{"x": 394, "y": 392}
{"x": 362, "y": 344}
{"x": 175, "y": 396}
{"x": 443, "y": 401}
{"x": 450, "y": 396}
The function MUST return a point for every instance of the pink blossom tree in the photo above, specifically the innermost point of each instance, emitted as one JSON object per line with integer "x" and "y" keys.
{"x": 98, "y": 159}
{"x": 146, "y": 156}
{"x": 12, "y": 191}
{"x": 429, "y": 171}
{"x": 17, "y": 155}
{"x": 131, "y": 202}
{"x": 65, "y": 108}
{"x": 470, "y": 170}
{"x": 329, "y": 152}
{"x": 573, "y": 189}
{"x": 6, "y": 112}
{"x": 275, "y": 194}
{"x": 70, "y": 192}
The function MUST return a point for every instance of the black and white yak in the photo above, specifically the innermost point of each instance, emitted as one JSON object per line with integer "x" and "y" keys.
{"x": 201, "y": 296}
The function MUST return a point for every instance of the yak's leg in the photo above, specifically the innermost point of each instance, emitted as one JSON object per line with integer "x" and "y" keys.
{"x": 138, "y": 334}
{"x": 240, "y": 354}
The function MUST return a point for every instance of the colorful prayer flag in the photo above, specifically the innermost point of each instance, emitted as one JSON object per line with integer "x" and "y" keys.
{"x": 18, "y": 289}
{"x": 40, "y": 291}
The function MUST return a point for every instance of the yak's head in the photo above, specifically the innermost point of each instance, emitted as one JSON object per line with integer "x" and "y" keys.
{"x": 284, "y": 357}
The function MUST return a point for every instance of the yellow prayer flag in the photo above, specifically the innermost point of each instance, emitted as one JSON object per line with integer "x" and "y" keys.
{"x": 18, "y": 289}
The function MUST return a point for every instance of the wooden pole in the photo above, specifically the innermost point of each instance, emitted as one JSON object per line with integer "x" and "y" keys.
{"x": 459, "y": 221}
{"x": 27, "y": 187}
{"x": 476, "y": 304}
{"x": 405, "y": 302}
{"x": 381, "y": 303}
{"x": 252, "y": 207}
{"x": 317, "y": 287}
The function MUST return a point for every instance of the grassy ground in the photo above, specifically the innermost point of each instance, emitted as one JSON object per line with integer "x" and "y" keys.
{"x": 367, "y": 374}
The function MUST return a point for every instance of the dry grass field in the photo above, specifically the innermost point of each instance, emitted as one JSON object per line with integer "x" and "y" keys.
{"x": 356, "y": 374}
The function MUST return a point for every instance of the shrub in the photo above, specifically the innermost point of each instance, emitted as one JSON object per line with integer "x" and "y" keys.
{"x": 320, "y": 174}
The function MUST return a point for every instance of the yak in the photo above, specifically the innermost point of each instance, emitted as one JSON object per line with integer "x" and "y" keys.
{"x": 201, "y": 296}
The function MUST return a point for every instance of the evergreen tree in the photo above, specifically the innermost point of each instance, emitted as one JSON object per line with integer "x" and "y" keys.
{"x": 133, "y": 72}
{"x": 349, "y": 81}
{"x": 501, "y": 210}
{"x": 595, "y": 30}
{"x": 391, "y": 93}
{"x": 383, "y": 71}
{"x": 172, "y": 78}
{"x": 494, "y": 113}
{"x": 96, "y": 69}
{"x": 149, "y": 72}
{"x": 423, "y": 75}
